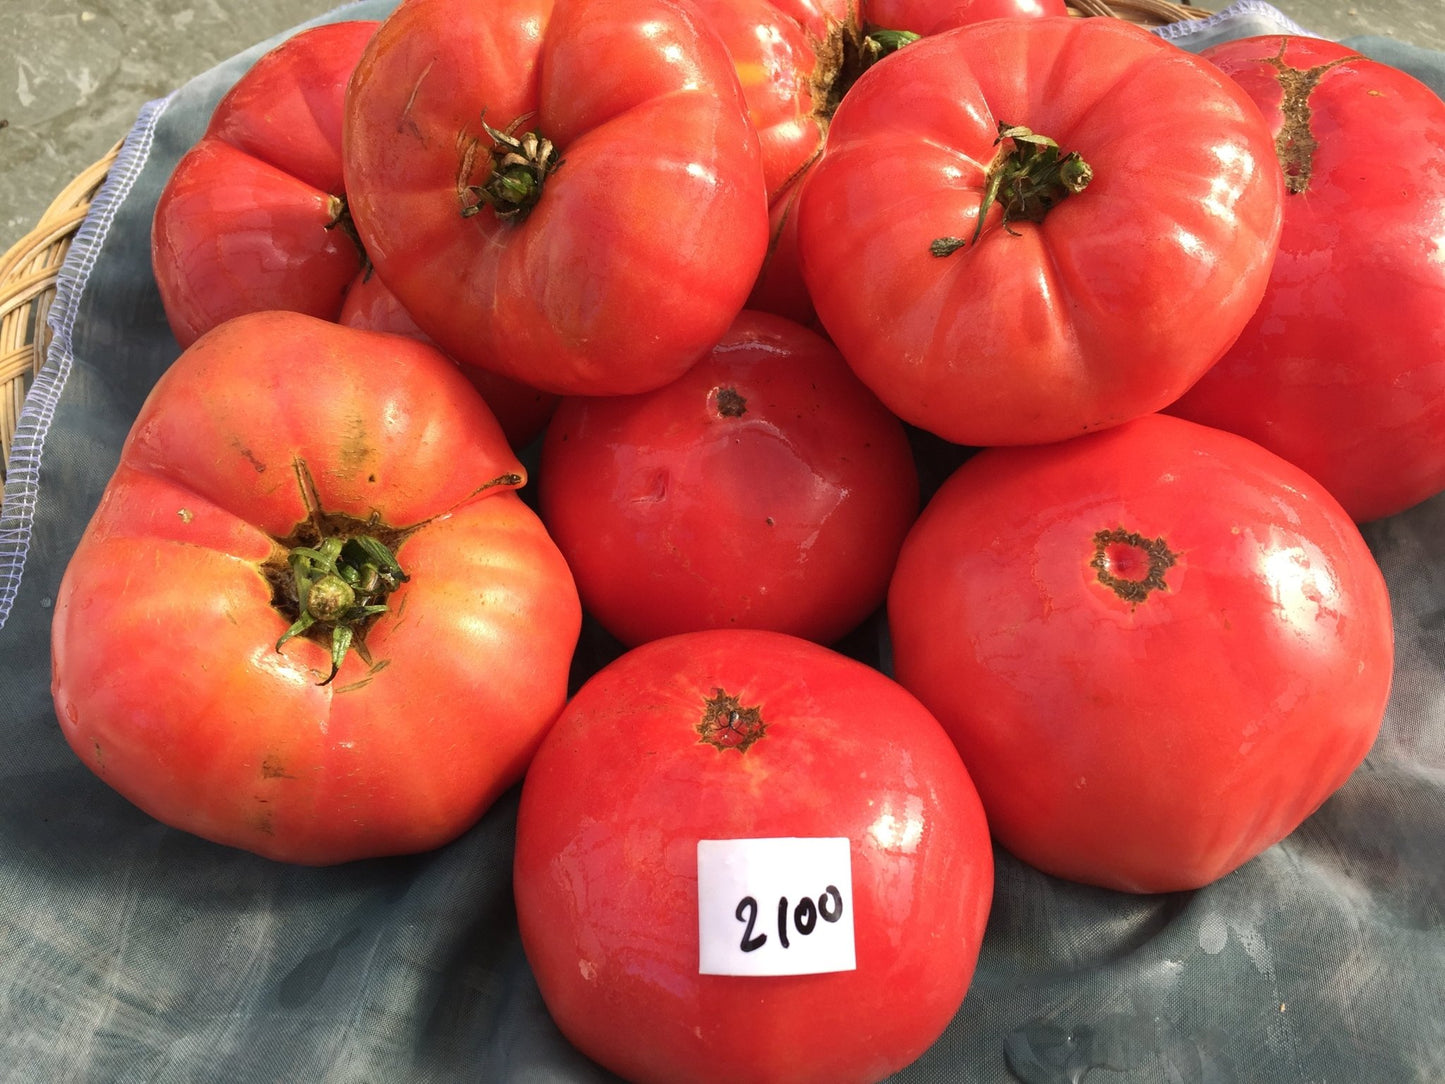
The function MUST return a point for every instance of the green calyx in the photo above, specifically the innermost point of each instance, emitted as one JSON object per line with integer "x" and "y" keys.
{"x": 520, "y": 168}
{"x": 1028, "y": 177}
{"x": 340, "y": 584}
{"x": 850, "y": 51}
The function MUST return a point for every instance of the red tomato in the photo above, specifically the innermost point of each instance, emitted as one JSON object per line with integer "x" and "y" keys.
{"x": 765, "y": 488}
{"x": 1338, "y": 370}
{"x": 254, "y": 216}
{"x": 273, "y": 448}
{"x": 965, "y": 12}
{"x": 1159, "y": 648}
{"x": 738, "y": 735}
{"x": 795, "y": 60}
{"x": 568, "y": 194}
{"x": 522, "y": 411}
{"x": 1080, "y": 302}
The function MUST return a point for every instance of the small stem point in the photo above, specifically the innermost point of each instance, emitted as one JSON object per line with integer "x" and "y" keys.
{"x": 1027, "y": 178}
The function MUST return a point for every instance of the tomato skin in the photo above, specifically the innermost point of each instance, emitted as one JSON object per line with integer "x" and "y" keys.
{"x": 765, "y": 488}
{"x": 966, "y": 12}
{"x": 251, "y": 218}
{"x": 792, "y": 65}
{"x": 1074, "y": 323}
{"x": 167, "y": 679}
{"x": 606, "y": 876}
{"x": 521, "y": 411}
{"x": 1338, "y": 370}
{"x": 1150, "y": 745}
{"x": 644, "y": 243}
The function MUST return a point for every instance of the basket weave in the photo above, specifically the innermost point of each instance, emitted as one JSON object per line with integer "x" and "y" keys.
{"x": 27, "y": 287}
{"x": 29, "y": 270}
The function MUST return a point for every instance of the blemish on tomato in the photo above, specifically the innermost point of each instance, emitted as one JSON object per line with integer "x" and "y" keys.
{"x": 1295, "y": 145}
{"x": 271, "y": 768}
{"x": 729, "y": 403}
{"x": 726, "y": 724}
{"x": 1129, "y": 564}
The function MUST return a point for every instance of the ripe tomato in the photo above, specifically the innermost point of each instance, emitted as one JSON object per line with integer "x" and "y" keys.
{"x": 254, "y": 216}
{"x": 795, "y": 61}
{"x": 1073, "y": 300}
{"x": 521, "y": 411}
{"x": 743, "y": 735}
{"x": 1338, "y": 370}
{"x": 1159, "y": 648}
{"x": 184, "y": 671}
{"x": 568, "y": 194}
{"x": 764, "y": 488}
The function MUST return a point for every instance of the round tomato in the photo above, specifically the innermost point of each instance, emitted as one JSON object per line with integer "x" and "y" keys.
{"x": 1158, "y": 648}
{"x": 744, "y": 801}
{"x": 1003, "y": 262}
{"x": 764, "y": 488}
{"x": 570, "y": 194}
{"x": 253, "y": 217}
{"x": 795, "y": 61}
{"x": 311, "y": 617}
{"x": 1338, "y": 370}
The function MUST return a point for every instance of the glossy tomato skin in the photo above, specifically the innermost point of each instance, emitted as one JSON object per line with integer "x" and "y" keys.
{"x": 1042, "y": 330}
{"x": 1159, "y": 648}
{"x": 252, "y": 217}
{"x": 606, "y": 868}
{"x": 795, "y": 60}
{"x": 764, "y": 488}
{"x": 167, "y": 678}
{"x": 1338, "y": 370}
{"x": 643, "y": 243}
{"x": 521, "y": 411}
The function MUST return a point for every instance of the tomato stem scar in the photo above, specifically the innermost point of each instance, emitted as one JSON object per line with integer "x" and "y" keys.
{"x": 1130, "y": 564}
{"x": 726, "y": 724}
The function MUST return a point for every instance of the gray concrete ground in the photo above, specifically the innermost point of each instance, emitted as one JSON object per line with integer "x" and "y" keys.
{"x": 74, "y": 73}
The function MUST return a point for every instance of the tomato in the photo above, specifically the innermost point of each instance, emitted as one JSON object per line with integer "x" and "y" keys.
{"x": 1081, "y": 302}
{"x": 568, "y": 194}
{"x": 765, "y": 488}
{"x": 1158, "y": 648}
{"x": 219, "y": 657}
{"x": 521, "y": 411}
{"x": 1338, "y": 370}
{"x": 253, "y": 216}
{"x": 795, "y": 60}
{"x": 734, "y": 735}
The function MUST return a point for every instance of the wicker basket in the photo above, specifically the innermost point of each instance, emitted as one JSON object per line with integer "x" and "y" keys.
{"x": 27, "y": 287}
{"x": 28, "y": 271}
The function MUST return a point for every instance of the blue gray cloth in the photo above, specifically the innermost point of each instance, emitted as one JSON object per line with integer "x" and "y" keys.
{"x": 130, "y": 952}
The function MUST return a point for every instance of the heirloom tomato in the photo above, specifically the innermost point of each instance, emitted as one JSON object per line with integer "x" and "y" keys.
{"x": 570, "y": 194}
{"x": 1340, "y": 370}
{"x": 1158, "y": 648}
{"x": 795, "y": 60}
{"x": 664, "y": 961}
{"x": 311, "y": 617}
{"x": 1025, "y": 229}
{"x": 764, "y": 488}
{"x": 253, "y": 217}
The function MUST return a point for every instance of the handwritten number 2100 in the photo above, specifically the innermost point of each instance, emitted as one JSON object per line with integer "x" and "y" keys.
{"x": 805, "y": 915}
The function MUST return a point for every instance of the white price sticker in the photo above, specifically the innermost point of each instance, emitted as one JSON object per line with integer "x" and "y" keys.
{"x": 777, "y": 906}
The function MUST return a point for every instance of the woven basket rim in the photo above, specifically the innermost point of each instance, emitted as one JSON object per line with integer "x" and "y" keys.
{"x": 28, "y": 274}
{"x": 29, "y": 270}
